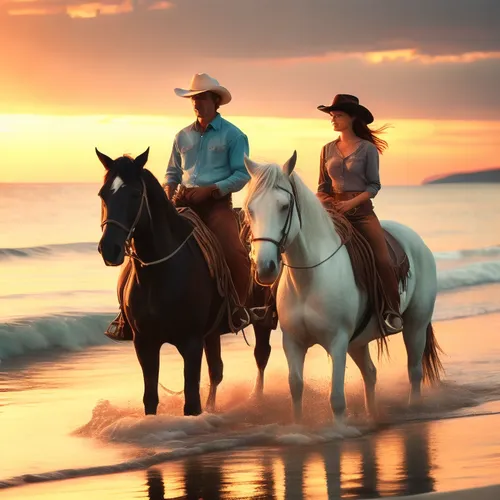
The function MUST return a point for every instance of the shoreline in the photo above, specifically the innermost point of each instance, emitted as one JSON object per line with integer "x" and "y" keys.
{"x": 480, "y": 493}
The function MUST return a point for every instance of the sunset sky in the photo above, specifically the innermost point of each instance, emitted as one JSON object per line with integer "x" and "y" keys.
{"x": 75, "y": 75}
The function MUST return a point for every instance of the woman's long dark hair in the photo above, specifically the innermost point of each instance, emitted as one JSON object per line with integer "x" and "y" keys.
{"x": 361, "y": 129}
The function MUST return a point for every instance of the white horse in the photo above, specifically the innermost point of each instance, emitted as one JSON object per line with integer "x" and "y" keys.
{"x": 317, "y": 299}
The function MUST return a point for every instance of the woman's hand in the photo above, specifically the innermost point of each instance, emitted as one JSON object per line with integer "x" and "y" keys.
{"x": 344, "y": 206}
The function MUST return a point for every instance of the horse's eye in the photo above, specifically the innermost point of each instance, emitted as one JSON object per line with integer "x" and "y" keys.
{"x": 250, "y": 212}
{"x": 284, "y": 208}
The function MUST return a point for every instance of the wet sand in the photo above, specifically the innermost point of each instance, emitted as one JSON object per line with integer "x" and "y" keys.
{"x": 488, "y": 493}
{"x": 412, "y": 459}
{"x": 456, "y": 448}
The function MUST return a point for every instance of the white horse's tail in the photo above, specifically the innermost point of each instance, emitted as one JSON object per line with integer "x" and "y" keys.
{"x": 431, "y": 364}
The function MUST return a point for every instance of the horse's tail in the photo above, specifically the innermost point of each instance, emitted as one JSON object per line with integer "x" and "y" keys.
{"x": 431, "y": 364}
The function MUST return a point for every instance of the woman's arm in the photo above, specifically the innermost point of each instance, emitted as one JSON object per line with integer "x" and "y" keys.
{"x": 324, "y": 190}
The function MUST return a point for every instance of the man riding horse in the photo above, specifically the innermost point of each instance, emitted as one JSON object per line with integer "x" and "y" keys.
{"x": 206, "y": 166}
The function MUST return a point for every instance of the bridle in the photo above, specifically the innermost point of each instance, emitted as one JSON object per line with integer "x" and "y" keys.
{"x": 285, "y": 231}
{"x": 130, "y": 231}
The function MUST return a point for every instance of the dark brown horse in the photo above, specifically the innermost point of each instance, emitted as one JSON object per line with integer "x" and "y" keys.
{"x": 165, "y": 289}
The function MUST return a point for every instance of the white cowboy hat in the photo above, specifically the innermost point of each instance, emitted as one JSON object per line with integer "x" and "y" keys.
{"x": 201, "y": 82}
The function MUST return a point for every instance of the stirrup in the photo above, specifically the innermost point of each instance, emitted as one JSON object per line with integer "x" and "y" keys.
{"x": 264, "y": 316}
{"x": 389, "y": 328}
{"x": 244, "y": 322}
{"x": 258, "y": 313}
{"x": 115, "y": 328}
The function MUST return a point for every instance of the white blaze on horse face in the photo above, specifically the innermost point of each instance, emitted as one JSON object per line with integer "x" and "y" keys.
{"x": 117, "y": 184}
{"x": 267, "y": 222}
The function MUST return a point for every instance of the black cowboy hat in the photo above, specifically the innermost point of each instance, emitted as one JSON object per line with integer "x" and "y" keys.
{"x": 348, "y": 104}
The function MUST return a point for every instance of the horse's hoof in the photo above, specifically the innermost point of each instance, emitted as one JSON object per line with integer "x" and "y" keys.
{"x": 341, "y": 427}
{"x": 415, "y": 405}
{"x": 257, "y": 395}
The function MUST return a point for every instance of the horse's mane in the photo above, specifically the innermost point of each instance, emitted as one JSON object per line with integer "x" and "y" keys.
{"x": 270, "y": 176}
{"x": 310, "y": 206}
{"x": 162, "y": 207}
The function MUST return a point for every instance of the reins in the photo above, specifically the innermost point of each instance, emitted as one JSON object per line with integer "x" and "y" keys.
{"x": 130, "y": 232}
{"x": 285, "y": 231}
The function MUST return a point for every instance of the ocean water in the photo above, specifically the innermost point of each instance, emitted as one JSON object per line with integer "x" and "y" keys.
{"x": 70, "y": 399}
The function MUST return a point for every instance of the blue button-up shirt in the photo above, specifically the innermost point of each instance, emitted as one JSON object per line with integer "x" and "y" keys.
{"x": 214, "y": 156}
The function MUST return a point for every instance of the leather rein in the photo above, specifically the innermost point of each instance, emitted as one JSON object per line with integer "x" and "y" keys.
{"x": 130, "y": 232}
{"x": 285, "y": 231}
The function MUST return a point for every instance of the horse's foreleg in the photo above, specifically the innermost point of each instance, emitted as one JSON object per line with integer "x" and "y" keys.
{"x": 338, "y": 352}
{"x": 361, "y": 356}
{"x": 215, "y": 368}
{"x": 148, "y": 355}
{"x": 261, "y": 352}
{"x": 192, "y": 353}
{"x": 295, "y": 355}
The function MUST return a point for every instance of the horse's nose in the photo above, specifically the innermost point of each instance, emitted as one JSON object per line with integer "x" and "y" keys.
{"x": 115, "y": 251}
{"x": 112, "y": 253}
{"x": 266, "y": 272}
{"x": 271, "y": 267}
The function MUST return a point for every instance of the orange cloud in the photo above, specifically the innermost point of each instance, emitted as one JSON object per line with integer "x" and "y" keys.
{"x": 380, "y": 57}
{"x": 80, "y": 9}
{"x": 94, "y": 9}
{"x": 413, "y": 55}
{"x": 161, "y": 5}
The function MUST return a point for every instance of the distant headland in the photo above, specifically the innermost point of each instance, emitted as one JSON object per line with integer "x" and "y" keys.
{"x": 478, "y": 176}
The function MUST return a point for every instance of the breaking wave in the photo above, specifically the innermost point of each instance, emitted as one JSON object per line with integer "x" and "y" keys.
{"x": 69, "y": 332}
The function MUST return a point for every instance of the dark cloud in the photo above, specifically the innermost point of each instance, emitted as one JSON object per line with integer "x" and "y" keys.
{"x": 279, "y": 28}
{"x": 130, "y": 62}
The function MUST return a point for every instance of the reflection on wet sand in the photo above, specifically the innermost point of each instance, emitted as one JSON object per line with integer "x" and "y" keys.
{"x": 386, "y": 464}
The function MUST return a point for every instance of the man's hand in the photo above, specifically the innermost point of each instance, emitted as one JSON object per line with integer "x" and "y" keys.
{"x": 170, "y": 190}
{"x": 197, "y": 195}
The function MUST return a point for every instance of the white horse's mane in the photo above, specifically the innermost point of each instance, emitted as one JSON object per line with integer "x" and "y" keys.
{"x": 269, "y": 176}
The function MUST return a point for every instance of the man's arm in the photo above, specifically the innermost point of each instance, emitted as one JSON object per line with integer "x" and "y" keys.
{"x": 173, "y": 175}
{"x": 239, "y": 176}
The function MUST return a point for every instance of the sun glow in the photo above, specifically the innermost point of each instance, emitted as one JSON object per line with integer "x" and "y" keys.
{"x": 41, "y": 148}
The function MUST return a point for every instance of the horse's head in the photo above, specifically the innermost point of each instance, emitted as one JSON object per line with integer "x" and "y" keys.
{"x": 123, "y": 198}
{"x": 273, "y": 215}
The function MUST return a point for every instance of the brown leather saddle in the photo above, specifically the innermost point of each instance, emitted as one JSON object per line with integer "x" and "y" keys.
{"x": 399, "y": 258}
{"x": 363, "y": 262}
{"x": 258, "y": 295}
{"x": 368, "y": 279}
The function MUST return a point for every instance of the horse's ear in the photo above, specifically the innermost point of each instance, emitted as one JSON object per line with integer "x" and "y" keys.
{"x": 142, "y": 159}
{"x": 290, "y": 164}
{"x": 250, "y": 165}
{"x": 105, "y": 160}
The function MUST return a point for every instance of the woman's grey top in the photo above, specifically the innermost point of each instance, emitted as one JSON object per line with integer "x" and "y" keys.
{"x": 358, "y": 171}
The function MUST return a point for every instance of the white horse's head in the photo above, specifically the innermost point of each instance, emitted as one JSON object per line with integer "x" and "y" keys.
{"x": 272, "y": 211}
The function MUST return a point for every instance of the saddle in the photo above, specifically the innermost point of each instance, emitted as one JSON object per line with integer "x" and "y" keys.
{"x": 363, "y": 264}
{"x": 365, "y": 272}
{"x": 219, "y": 271}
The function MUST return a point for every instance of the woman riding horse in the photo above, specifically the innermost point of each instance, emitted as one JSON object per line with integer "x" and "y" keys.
{"x": 349, "y": 178}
